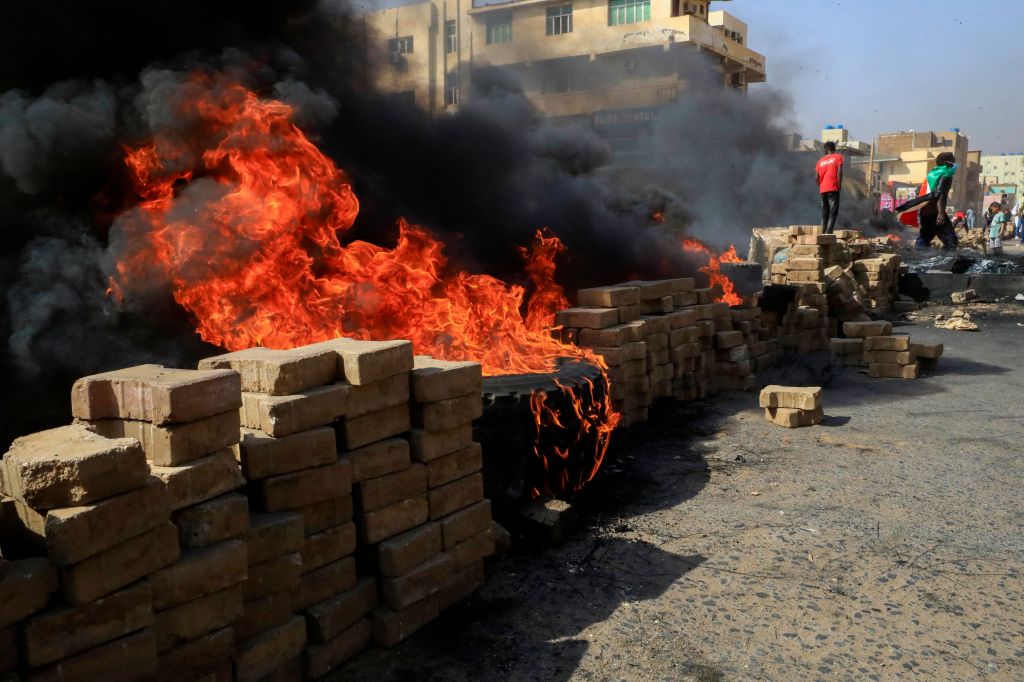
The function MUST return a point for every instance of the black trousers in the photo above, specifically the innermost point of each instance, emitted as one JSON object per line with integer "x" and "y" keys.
{"x": 829, "y": 211}
{"x": 930, "y": 229}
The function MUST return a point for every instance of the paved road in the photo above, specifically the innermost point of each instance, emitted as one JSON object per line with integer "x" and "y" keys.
{"x": 884, "y": 544}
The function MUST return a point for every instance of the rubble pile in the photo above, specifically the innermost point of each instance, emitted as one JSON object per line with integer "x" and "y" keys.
{"x": 792, "y": 406}
{"x": 269, "y": 514}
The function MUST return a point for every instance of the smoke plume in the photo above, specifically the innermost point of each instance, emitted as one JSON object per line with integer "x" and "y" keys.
{"x": 81, "y": 82}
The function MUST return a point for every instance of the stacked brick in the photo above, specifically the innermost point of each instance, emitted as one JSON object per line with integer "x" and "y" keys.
{"x": 187, "y": 421}
{"x": 792, "y": 406}
{"x": 434, "y": 556}
{"x": 873, "y": 345}
{"x": 105, "y": 524}
{"x": 302, "y": 541}
{"x": 879, "y": 279}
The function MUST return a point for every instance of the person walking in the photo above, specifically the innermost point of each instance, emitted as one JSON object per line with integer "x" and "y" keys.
{"x": 928, "y": 211}
{"x": 829, "y": 171}
{"x": 970, "y": 219}
{"x": 995, "y": 230}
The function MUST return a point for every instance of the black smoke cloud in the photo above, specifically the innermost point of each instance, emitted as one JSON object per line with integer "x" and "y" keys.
{"x": 79, "y": 81}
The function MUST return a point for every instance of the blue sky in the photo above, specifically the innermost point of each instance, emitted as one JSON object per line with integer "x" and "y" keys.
{"x": 880, "y": 66}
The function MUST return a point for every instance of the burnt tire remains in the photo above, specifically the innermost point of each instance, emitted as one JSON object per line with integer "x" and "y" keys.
{"x": 508, "y": 431}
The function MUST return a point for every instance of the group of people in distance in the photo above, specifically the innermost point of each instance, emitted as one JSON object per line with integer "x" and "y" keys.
{"x": 927, "y": 211}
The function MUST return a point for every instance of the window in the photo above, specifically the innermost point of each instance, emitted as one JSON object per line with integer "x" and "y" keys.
{"x": 559, "y": 20}
{"x": 499, "y": 29}
{"x": 401, "y": 45}
{"x": 451, "y": 37}
{"x": 451, "y": 88}
{"x": 628, "y": 11}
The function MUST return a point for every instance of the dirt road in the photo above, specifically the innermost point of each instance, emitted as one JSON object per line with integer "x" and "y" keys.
{"x": 884, "y": 544}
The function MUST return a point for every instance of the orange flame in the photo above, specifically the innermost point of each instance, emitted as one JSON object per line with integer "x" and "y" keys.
{"x": 243, "y": 216}
{"x": 894, "y": 237}
{"x": 713, "y": 269}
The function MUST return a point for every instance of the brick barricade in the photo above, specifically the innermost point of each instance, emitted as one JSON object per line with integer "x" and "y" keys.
{"x": 268, "y": 515}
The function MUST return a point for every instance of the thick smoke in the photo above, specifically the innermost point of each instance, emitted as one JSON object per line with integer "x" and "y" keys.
{"x": 74, "y": 91}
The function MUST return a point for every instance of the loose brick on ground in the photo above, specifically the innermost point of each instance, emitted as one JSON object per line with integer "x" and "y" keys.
{"x": 460, "y": 463}
{"x": 384, "y": 523}
{"x": 795, "y": 397}
{"x": 258, "y": 657}
{"x": 70, "y": 466}
{"x": 156, "y": 394}
{"x": 328, "y": 619}
{"x": 377, "y": 493}
{"x": 203, "y": 615}
{"x": 25, "y": 587}
{"x": 200, "y": 480}
{"x": 447, "y": 414}
{"x": 121, "y": 565}
{"x": 378, "y": 459}
{"x": 261, "y": 455}
{"x": 290, "y": 491}
{"x": 283, "y": 415}
{"x": 359, "y": 431}
{"x": 320, "y": 659}
{"x": 328, "y": 545}
{"x": 65, "y": 631}
{"x": 74, "y": 533}
{"x": 273, "y": 576}
{"x": 427, "y": 445}
{"x": 199, "y": 571}
{"x": 212, "y": 521}
{"x": 132, "y": 657}
{"x": 364, "y": 362}
{"x": 391, "y": 627}
{"x": 173, "y": 444}
{"x": 278, "y": 372}
{"x": 893, "y": 371}
{"x": 433, "y": 380}
{"x": 402, "y": 553}
{"x": 465, "y": 523}
{"x": 271, "y": 535}
{"x": 793, "y": 418}
{"x": 455, "y": 495}
{"x": 930, "y": 351}
{"x": 325, "y": 582}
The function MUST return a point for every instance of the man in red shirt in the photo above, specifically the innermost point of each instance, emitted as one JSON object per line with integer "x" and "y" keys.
{"x": 830, "y": 183}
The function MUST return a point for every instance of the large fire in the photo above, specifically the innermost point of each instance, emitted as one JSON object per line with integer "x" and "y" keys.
{"x": 245, "y": 218}
{"x": 725, "y": 292}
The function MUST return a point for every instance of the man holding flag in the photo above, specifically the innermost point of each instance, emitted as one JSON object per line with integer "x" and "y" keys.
{"x": 928, "y": 210}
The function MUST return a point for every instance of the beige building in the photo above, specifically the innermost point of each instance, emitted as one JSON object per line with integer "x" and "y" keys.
{"x": 905, "y": 158}
{"x": 613, "y": 60}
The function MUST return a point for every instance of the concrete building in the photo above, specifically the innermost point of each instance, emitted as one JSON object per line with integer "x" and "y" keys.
{"x": 1006, "y": 168}
{"x": 615, "y": 61}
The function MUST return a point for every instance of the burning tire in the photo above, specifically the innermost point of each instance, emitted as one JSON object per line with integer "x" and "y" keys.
{"x": 543, "y": 434}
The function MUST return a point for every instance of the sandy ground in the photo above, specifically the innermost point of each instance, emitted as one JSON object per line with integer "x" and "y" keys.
{"x": 884, "y": 544}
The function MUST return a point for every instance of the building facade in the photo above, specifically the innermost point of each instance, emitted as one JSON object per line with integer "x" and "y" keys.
{"x": 1005, "y": 169}
{"x": 612, "y": 60}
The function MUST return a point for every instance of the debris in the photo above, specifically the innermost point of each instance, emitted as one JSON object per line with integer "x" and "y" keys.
{"x": 959, "y": 321}
{"x": 965, "y": 296}
{"x": 1019, "y": 297}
